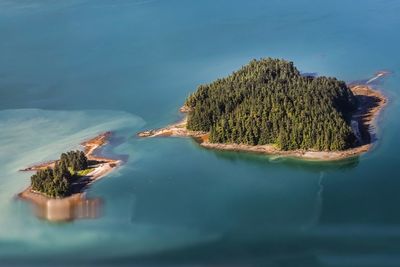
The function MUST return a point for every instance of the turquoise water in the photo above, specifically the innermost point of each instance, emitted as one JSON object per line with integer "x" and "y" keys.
{"x": 71, "y": 69}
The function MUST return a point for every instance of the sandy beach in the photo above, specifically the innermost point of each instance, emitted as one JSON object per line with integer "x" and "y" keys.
{"x": 370, "y": 102}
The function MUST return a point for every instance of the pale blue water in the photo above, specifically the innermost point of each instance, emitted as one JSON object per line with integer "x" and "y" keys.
{"x": 71, "y": 69}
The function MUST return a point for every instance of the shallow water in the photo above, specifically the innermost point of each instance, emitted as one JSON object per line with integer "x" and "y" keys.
{"x": 69, "y": 70}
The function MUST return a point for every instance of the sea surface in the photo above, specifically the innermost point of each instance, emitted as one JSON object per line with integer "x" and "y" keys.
{"x": 72, "y": 69}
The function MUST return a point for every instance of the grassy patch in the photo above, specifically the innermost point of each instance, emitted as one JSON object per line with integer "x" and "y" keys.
{"x": 84, "y": 172}
{"x": 81, "y": 172}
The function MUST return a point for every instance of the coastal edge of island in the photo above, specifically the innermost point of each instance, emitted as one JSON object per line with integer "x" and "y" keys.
{"x": 76, "y": 205}
{"x": 370, "y": 104}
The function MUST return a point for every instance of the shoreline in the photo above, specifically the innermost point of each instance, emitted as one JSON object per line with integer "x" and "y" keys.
{"x": 75, "y": 205}
{"x": 363, "y": 120}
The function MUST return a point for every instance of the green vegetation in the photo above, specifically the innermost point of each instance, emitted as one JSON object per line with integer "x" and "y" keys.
{"x": 268, "y": 101}
{"x": 57, "y": 181}
{"x": 85, "y": 172}
{"x": 76, "y": 160}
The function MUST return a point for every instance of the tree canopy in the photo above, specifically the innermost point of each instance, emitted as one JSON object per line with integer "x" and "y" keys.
{"x": 57, "y": 181}
{"x": 268, "y": 101}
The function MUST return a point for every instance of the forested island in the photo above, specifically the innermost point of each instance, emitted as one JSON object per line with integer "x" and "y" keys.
{"x": 269, "y": 102}
{"x": 268, "y": 106}
{"x": 57, "y": 181}
{"x": 57, "y": 188}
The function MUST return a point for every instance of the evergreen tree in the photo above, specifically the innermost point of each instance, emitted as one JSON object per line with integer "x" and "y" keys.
{"x": 57, "y": 181}
{"x": 269, "y": 101}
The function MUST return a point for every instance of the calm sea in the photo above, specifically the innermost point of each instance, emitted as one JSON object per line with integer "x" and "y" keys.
{"x": 72, "y": 69}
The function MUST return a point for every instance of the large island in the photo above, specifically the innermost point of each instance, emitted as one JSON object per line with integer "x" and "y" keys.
{"x": 269, "y": 107}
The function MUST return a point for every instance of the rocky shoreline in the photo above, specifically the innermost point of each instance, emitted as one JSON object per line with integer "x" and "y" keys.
{"x": 371, "y": 103}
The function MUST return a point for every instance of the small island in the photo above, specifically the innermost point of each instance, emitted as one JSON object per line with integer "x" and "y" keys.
{"x": 269, "y": 107}
{"x": 57, "y": 189}
{"x": 58, "y": 181}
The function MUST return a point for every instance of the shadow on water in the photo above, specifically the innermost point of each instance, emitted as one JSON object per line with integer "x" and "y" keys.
{"x": 297, "y": 164}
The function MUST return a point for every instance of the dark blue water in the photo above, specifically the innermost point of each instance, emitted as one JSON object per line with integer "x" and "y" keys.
{"x": 71, "y": 69}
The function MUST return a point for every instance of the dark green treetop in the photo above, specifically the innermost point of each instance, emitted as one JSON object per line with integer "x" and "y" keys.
{"x": 57, "y": 181}
{"x": 268, "y": 101}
